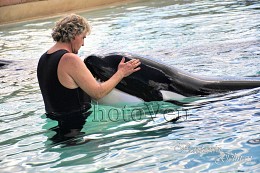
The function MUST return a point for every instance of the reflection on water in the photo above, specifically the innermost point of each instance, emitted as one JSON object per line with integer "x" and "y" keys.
{"x": 67, "y": 136}
{"x": 218, "y": 133}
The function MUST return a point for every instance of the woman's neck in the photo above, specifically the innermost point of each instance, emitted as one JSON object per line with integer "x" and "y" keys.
{"x": 59, "y": 46}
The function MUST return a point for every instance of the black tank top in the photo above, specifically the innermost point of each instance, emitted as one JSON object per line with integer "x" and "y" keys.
{"x": 57, "y": 98}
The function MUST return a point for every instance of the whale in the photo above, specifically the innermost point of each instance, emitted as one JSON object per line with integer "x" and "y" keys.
{"x": 157, "y": 81}
{"x": 4, "y": 62}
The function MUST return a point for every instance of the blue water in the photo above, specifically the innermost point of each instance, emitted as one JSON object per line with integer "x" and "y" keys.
{"x": 218, "y": 133}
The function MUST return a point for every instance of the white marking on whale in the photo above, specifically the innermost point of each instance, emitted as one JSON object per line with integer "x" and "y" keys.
{"x": 168, "y": 95}
{"x": 119, "y": 97}
{"x": 116, "y": 97}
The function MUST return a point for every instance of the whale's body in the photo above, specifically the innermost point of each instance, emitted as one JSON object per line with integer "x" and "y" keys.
{"x": 157, "y": 81}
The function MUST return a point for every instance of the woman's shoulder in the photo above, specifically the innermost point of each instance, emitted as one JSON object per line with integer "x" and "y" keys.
{"x": 71, "y": 60}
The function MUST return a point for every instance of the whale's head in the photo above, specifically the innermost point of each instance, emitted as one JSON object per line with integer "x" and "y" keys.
{"x": 144, "y": 83}
{"x": 103, "y": 67}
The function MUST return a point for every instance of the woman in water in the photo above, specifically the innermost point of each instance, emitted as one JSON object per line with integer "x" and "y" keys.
{"x": 66, "y": 84}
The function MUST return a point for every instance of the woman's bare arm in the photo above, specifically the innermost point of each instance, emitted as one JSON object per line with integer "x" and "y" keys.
{"x": 74, "y": 72}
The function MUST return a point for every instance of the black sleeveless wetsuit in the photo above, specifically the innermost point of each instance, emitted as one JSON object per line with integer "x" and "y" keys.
{"x": 61, "y": 104}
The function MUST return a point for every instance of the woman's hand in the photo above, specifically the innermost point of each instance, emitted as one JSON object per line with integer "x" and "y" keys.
{"x": 129, "y": 67}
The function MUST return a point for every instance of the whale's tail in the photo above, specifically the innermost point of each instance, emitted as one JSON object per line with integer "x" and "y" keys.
{"x": 232, "y": 85}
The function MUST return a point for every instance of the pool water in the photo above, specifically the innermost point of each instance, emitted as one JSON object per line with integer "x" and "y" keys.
{"x": 218, "y": 133}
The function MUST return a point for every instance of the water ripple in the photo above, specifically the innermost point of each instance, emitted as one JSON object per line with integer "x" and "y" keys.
{"x": 218, "y": 133}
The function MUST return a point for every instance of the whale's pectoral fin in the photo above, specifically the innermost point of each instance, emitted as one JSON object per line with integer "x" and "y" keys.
{"x": 178, "y": 103}
{"x": 174, "y": 120}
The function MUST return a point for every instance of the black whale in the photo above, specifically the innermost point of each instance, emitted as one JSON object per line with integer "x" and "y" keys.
{"x": 156, "y": 80}
{"x": 4, "y": 62}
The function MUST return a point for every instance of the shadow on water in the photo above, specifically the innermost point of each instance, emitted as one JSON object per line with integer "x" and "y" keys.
{"x": 135, "y": 124}
{"x": 94, "y": 146}
{"x": 154, "y": 115}
{"x": 67, "y": 137}
{"x": 4, "y": 63}
{"x": 68, "y": 132}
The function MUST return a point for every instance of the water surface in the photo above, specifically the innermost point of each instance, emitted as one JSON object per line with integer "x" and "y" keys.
{"x": 218, "y": 133}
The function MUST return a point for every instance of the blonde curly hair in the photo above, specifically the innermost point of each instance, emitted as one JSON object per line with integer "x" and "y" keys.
{"x": 68, "y": 27}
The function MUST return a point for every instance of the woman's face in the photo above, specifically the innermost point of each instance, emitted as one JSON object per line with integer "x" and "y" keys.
{"x": 78, "y": 42}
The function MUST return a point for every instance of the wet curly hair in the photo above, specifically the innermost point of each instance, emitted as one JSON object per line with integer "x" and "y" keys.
{"x": 68, "y": 27}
